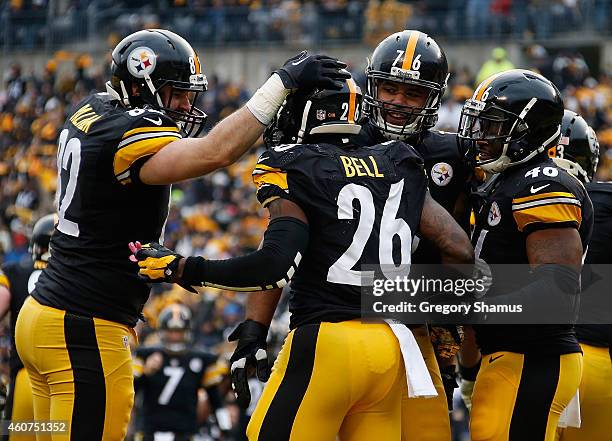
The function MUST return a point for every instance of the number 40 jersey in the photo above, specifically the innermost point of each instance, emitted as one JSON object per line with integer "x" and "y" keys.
{"x": 363, "y": 207}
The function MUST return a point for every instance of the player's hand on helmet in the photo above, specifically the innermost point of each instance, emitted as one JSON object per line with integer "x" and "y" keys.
{"x": 250, "y": 357}
{"x": 157, "y": 263}
{"x": 307, "y": 72}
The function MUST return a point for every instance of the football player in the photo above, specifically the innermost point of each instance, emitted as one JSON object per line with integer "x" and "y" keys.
{"x": 118, "y": 152}
{"x": 17, "y": 280}
{"x": 171, "y": 375}
{"x": 407, "y": 75}
{"x": 406, "y": 78}
{"x": 530, "y": 212}
{"x": 333, "y": 206}
{"x": 578, "y": 153}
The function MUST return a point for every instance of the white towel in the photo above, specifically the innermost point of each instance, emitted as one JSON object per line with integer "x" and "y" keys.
{"x": 418, "y": 378}
{"x": 570, "y": 417}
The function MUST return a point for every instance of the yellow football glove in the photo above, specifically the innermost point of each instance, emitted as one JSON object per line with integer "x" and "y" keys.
{"x": 157, "y": 263}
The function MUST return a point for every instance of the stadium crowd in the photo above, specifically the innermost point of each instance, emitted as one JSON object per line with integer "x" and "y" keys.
{"x": 36, "y": 23}
{"x": 216, "y": 216}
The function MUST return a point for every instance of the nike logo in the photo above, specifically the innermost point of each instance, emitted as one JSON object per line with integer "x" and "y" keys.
{"x": 492, "y": 359}
{"x": 295, "y": 63}
{"x": 536, "y": 189}
{"x": 263, "y": 158}
{"x": 157, "y": 121}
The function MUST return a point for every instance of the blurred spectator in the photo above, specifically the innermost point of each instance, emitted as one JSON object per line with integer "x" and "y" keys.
{"x": 497, "y": 63}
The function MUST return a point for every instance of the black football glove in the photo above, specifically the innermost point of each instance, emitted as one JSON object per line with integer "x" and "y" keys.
{"x": 308, "y": 72}
{"x": 249, "y": 357}
{"x": 157, "y": 264}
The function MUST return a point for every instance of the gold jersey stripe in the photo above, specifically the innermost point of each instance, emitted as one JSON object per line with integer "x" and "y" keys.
{"x": 352, "y": 99}
{"x": 272, "y": 178}
{"x": 269, "y": 201}
{"x": 410, "y": 47}
{"x": 267, "y": 168}
{"x": 4, "y": 281}
{"x": 125, "y": 157}
{"x": 548, "y": 214}
{"x": 552, "y": 194}
{"x": 149, "y": 130}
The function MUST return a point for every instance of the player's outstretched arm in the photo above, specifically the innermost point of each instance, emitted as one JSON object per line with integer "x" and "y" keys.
{"x": 272, "y": 266}
{"x": 439, "y": 227}
{"x": 232, "y": 137}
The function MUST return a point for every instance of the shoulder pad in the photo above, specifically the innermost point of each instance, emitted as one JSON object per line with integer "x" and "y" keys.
{"x": 602, "y": 187}
{"x": 281, "y": 155}
{"x": 399, "y": 151}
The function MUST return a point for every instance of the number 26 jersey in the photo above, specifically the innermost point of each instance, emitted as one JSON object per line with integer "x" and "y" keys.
{"x": 363, "y": 206}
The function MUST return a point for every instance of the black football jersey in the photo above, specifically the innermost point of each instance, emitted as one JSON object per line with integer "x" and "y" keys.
{"x": 20, "y": 278}
{"x": 598, "y": 253}
{"x": 363, "y": 207}
{"x": 523, "y": 199}
{"x": 447, "y": 172}
{"x": 103, "y": 206}
{"x": 170, "y": 395}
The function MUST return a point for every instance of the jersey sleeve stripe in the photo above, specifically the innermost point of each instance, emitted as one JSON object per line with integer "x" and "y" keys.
{"x": 548, "y": 214}
{"x": 516, "y": 207}
{"x": 552, "y": 194}
{"x": 148, "y": 130}
{"x": 265, "y": 167}
{"x": 271, "y": 178}
{"x": 4, "y": 281}
{"x": 125, "y": 157}
{"x": 269, "y": 201}
{"x": 139, "y": 137}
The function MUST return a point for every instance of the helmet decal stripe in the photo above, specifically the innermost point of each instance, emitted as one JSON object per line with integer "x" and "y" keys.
{"x": 197, "y": 63}
{"x": 410, "y": 47}
{"x": 352, "y": 100}
{"x": 479, "y": 92}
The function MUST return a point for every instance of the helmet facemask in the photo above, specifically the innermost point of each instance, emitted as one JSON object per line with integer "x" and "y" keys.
{"x": 190, "y": 122}
{"x": 417, "y": 119}
{"x": 492, "y": 135}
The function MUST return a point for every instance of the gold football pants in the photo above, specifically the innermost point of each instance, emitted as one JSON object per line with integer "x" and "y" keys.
{"x": 19, "y": 404}
{"x": 80, "y": 369}
{"x": 426, "y": 419}
{"x": 519, "y": 397}
{"x": 595, "y": 398}
{"x": 333, "y": 379}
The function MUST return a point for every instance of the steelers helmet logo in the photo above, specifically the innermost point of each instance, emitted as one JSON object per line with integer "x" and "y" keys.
{"x": 441, "y": 174}
{"x": 494, "y": 214}
{"x": 141, "y": 62}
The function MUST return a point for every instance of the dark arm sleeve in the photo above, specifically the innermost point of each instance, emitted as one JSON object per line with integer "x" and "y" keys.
{"x": 272, "y": 266}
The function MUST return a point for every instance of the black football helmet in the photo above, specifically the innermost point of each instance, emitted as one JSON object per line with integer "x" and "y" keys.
{"x": 578, "y": 148}
{"x": 152, "y": 59}
{"x": 318, "y": 112}
{"x": 517, "y": 113}
{"x": 410, "y": 57}
{"x": 39, "y": 242}
{"x": 175, "y": 317}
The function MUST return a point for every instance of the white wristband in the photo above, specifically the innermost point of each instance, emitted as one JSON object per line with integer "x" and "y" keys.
{"x": 264, "y": 104}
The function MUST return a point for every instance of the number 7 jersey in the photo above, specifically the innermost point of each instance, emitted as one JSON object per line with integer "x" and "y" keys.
{"x": 363, "y": 206}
